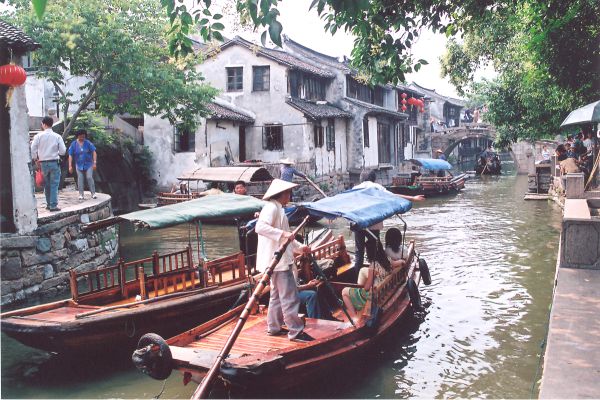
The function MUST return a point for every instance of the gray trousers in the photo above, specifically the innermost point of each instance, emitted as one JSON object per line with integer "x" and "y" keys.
{"x": 89, "y": 175}
{"x": 284, "y": 304}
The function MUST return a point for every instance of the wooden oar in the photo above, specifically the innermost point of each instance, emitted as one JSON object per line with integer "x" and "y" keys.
{"x": 316, "y": 187}
{"x": 204, "y": 387}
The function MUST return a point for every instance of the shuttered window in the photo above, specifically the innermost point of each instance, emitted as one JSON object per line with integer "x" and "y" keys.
{"x": 261, "y": 78}
{"x": 235, "y": 79}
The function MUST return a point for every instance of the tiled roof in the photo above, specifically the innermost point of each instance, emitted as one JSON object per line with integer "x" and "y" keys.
{"x": 318, "y": 111}
{"x": 281, "y": 57}
{"x": 318, "y": 57}
{"x": 15, "y": 39}
{"x": 375, "y": 109}
{"x": 433, "y": 93}
{"x": 404, "y": 88}
{"x": 218, "y": 111}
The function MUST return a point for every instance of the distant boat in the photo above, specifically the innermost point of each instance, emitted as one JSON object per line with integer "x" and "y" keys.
{"x": 437, "y": 180}
{"x": 488, "y": 163}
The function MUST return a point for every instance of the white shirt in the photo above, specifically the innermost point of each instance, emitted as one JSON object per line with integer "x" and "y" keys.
{"x": 271, "y": 224}
{"x": 47, "y": 146}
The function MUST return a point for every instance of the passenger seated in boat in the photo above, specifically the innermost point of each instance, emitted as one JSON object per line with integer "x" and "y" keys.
{"x": 394, "y": 249}
{"x": 379, "y": 267}
{"x": 182, "y": 189}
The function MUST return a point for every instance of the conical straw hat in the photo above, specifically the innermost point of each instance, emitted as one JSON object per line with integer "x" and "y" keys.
{"x": 278, "y": 186}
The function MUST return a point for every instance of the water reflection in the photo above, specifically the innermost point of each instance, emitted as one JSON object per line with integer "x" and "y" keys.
{"x": 492, "y": 258}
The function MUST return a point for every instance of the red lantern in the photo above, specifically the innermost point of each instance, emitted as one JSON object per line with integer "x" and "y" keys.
{"x": 12, "y": 75}
{"x": 403, "y": 102}
{"x": 411, "y": 101}
{"x": 403, "y": 95}
{"x": 422, "y": 109}
{"x": 403, "y": 108}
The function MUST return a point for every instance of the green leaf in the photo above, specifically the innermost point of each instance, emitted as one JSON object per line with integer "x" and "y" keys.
{"x": 207, "y": 3}
{"x": 263, "y": 38}
{"x": 217, "y": 35}
{"x": 424, "y": 62}
{"x": 218, "y": 26}
{"x": 206, "y": 12}
{"x": 186, "y": 18}
{"x": 217, "y": 16}
{"x": 275, "y": 32}
{"x": 40, "y": 7}
{"x": 203, "y": 21}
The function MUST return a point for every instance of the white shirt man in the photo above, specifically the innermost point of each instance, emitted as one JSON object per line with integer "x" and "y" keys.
{"x": 273, "y": 230}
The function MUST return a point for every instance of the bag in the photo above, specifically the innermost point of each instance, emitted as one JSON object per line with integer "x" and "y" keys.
{"x": 39, "y": 179}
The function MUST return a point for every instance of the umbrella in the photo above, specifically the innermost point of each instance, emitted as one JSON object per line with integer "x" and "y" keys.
{"x": 584, "y": 115}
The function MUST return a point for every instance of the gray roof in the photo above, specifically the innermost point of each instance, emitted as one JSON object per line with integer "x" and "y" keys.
{"x": 318, "y": 111}
{"x": 434, "y": 94}
{"x": 15, "y": 39}
{"x": 376, "y": 110}
{"x": 280, "y": 57}
{"x": 218, "y": 111}
{"x": 318, "y": 57}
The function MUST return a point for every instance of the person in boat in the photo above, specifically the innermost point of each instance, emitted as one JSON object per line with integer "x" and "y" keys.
{"x": 441, "y": 155}
{"x": 394, "y": 249}
{"x": 360, "y": 235}
{"x": 180, "y": 189}
{"x": 240, "y": 188}
{"x": 414, "y": 174}
{"x": 379, "y": 267}
{"x": 273, "y": 228}
{"x": 288, "y": 171}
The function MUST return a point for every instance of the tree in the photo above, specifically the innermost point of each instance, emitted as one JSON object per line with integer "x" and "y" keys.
{"x": 547, "y": 56}
{"x": 119, "y": 46}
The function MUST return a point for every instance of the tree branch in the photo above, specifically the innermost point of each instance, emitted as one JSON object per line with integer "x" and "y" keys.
{"x": 86, "y": 101}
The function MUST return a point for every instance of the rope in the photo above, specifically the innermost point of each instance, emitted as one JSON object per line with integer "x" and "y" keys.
{"x": 161, "y": 390}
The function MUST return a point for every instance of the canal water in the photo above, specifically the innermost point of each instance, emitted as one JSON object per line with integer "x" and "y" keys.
{"x": 492, "y": 258}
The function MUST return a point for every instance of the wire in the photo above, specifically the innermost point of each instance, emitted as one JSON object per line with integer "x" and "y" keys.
{"x": 161, "y": 390}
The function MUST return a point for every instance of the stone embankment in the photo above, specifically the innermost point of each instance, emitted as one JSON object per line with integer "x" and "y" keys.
{"x": 36, "y": 267}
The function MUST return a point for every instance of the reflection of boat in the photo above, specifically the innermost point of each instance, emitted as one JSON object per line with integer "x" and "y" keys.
{"x": 488, "y": 163}
{"x": 432, "y": 179}
{"x": 262, "y": 363}
{"x": 257, "y": 181}
{"x": 114, "y": 306}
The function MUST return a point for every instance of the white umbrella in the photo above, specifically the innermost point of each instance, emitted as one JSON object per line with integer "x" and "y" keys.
{"x": 584, "y": 115}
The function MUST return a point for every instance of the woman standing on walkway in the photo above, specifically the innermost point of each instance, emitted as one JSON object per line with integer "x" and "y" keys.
{"x": 84, "y": 153}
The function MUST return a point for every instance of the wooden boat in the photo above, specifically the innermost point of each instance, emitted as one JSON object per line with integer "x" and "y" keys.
{"x": 261, "y": 362}
{"x": 257, "y": 181}
{"x": 488, "y": 163}
{"x": 438, "y": 182}
{"x": 112, "y": 307}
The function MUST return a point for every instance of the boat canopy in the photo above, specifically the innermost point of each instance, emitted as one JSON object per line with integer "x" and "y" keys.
{"x": 432, "y": 163}
{"x": 226, "y": 205}
{"x": 228, "y": 174}
{"x": 363, "y": 207}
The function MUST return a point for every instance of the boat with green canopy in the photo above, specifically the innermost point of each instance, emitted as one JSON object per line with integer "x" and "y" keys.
{"x": 113, "y": 306}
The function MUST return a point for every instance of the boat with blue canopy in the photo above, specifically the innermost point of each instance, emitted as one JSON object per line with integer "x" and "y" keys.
{"x": 113, "y": 306}
{"x": 258, "y": 364}
{"x": 429, "y": 177}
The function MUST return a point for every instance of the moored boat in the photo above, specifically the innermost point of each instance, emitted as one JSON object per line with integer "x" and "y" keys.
{"x": 258, "y": 361}
{"x": 114, "y": 306}
{"x": 434, "y": 180}
{"x": 488, "y": 163}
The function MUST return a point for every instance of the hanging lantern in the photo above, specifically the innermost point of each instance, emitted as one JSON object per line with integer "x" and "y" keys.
{"x": 12, "y": 75}
{"x": 403, "y": 102}
{"x": 422, "y": 109}
{"x": 411, "y": 101}
{"x": 403, "y": 108}
{"x": 403, "y": 95}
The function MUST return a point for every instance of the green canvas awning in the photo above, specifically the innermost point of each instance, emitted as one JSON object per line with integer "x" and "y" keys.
{"x": 226, "y": 206}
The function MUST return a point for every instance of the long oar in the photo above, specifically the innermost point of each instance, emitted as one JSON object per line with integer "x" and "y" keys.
{"x": 319, "y": 271}
{"x": 316, "y": 187}
{"x": 204, "y": 387}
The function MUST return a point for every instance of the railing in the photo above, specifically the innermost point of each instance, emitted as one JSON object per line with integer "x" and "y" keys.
{"x": 215, "y": 269}
{"x": 386, "y": 289}
{"x": 164, "y": 198}
{"x": 123, "y": 278}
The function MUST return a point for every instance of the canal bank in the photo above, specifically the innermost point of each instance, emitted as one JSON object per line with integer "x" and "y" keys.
{"x": 573, "y": 345}
{"x": 486, "y": 311}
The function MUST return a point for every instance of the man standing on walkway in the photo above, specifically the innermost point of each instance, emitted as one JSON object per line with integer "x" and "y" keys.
{"x": 84, "y": 153}
{"x": 273, "y": 229}
{"x": 46, "y": 149}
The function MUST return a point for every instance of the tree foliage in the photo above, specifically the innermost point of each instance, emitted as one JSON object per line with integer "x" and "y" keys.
{"x": 119, "y": 46}
{"x": 547, "y": 56}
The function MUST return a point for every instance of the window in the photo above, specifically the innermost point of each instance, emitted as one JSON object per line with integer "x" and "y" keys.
{"x": 384, "y": 143}
{"x": 261, "y": 78}
{"x": 366, "y": 131}
{"x": 358, "y": 91}
{"x": 318, "y": 135}
{"x": 378, "y": 94}
{"x": 306, "y": 86}
{"x": 183, "y": 139}
{"x": 273, "y": 137}
{"x": 235, "y": 79}
{"x": 330, "y": 135}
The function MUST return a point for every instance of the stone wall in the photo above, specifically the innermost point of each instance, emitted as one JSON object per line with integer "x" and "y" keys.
{"x": 36, "y": 267}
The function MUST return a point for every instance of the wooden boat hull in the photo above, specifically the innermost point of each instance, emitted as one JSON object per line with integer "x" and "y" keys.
{"x": 115, "y": 329}
{"x": 432, "y": 189}
{"x": 258, "y": 361}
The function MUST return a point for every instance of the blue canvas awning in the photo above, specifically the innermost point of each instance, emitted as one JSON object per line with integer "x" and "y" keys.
{"x": 363, "y": 207}
{"x": 432, "y": 164}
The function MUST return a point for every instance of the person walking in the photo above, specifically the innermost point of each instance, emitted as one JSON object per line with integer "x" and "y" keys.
{"x": 84, "y": 153}
{"x": 273, "y": 229}
{"x": 46, "y": 148}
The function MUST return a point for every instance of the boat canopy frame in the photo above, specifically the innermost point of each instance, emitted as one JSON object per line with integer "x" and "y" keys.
{"x": 432, "y": 164}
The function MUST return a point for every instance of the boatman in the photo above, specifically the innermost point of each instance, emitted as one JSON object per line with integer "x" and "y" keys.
{"x": 273, "y": 230}
{"x": 288, "y": 171}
